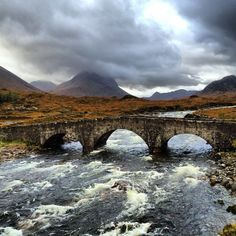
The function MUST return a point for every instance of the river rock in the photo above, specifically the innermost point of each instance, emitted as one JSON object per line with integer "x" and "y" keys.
{"x": 192, "y": 116}
{"x": 225, "y": 181}
{"x": 229, "y": 184}
{"x": 229, "y": 230}
{"x": 121, "y": 185}
{"x": 213, "y": 180}
{"x": 232, "y": 209}
{"x": 222, "y": 165}
{"x": 217, "y": 156}
{"x": 221, "y": 202}
{"x": 233, "y": 187}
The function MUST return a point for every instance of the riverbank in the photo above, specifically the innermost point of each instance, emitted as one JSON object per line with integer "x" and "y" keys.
{"x": 224, "y": 171}
{"x": 14, "y": 150}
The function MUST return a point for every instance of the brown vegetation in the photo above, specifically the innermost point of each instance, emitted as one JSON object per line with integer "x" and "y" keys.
{"x": 44, "y": 107}
{"x": 221, "y": 113}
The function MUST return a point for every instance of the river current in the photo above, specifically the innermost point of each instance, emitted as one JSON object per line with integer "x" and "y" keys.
{"x": 117, "y": 190}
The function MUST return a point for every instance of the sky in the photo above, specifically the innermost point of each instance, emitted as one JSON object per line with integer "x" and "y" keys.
{"x": 145, "y": 45}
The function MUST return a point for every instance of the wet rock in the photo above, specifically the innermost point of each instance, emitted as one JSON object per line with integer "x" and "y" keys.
{"x": 232, "y": 209}
{"x": 220, "y": 201}
{"x": 213, "y": 180}
{"x": 222, "y": 165}
{"x": 121, "y": 185}
{"x": 217, "y": 156}
{"x": 11, "y": 218}
{"x": 123, "y": 229}
{"x": 225, "y": 181}
{"x": 228, "y": 185}
{"x": 186, "y": 152}
{"x": 192, "y": 116}
{"x": 233, "y": 187}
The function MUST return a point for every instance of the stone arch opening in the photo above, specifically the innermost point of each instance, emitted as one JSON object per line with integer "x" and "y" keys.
{"x": 102, "y": 141}
{"x": 188, "y": 143}
{"x": 55, "y": 141}
{"x": 122, "y": 139}
{"x": 72, "y": 146}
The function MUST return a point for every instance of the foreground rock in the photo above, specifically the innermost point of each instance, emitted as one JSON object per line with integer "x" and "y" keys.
{"x": 229, "y": 230}
{"x": 121, "y": 185}
{"x": 224, "y": 172}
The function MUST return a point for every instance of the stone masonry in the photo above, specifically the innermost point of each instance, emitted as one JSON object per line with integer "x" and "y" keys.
{"x": 93, "y": 133}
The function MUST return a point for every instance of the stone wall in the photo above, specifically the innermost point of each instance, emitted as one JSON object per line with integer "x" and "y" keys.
{"x": 94, "y": 133}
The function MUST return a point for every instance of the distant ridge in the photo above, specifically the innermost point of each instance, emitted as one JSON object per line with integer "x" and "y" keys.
{"x": 90, "y": 84}
{"x": 44, "y": 85}
{"x": 181, "y": 93}
{"x": 10, "y": 81}
{"x": 226, "y": 84}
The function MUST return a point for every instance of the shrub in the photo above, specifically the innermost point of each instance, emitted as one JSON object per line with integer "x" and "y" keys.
{"x": 8, "y": 97}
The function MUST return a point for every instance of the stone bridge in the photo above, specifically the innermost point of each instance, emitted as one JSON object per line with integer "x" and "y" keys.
{"x": 93, "y": 133}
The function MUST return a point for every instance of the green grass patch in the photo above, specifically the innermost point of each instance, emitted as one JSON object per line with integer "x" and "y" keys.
{"x": 4, "y": 143}
{"x": 8, "y": 96}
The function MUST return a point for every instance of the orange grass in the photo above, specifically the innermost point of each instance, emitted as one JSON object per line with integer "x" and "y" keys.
{"x": 45, "y": 107}
{"x": 221, "y": 113}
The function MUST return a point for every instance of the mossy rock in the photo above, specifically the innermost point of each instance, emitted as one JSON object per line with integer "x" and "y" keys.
{"x": 234, "y": 144}
{"x": 229, "y": 230}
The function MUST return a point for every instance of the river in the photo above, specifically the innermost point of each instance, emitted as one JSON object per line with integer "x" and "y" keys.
{"x": 117, "y": 190}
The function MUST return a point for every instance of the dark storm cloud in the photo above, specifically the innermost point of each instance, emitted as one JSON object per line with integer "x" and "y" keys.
{"x": 104, "y": 36}
{"x": 214, "y": 26}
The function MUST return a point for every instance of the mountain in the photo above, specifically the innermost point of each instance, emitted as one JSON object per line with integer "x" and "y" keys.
{"x": 9, "y": 80}
{"x": 227, "y": 84}
{"x": 181, "y": 93}
{"x": 90, "y": 84}
{"x": 44, "y": 85}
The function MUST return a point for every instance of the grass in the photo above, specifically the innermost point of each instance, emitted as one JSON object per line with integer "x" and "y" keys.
{"x": 15, "y": 143}
{"x": 44, "y": 107}
{"x": 221, "y": 113}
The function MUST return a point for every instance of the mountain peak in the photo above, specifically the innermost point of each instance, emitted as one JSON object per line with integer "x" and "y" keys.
{"x": 8, "y": 80}
{"x": 90, "y": 84}
{"x": 44, "y": 85}
{"x": 226, "y": 84}
{"x": 177, "y": 94}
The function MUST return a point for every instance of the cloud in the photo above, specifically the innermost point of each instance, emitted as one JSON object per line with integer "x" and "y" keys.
{"x": 213, "y": 25}
{"x": 108, "y": 37}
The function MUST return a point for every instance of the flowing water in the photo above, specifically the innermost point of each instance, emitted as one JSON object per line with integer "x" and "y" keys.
{"x": 117, "y": 190}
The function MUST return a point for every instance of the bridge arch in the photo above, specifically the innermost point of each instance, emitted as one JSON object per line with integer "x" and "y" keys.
{"x": 103, "y": 138}
{"x": 54, "y": 141}
{"x": 205, "y": 136}
{"x": 56, "y": 138}
{"x": 186, "y": 142}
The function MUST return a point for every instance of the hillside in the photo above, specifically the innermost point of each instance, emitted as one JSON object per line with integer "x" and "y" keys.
{"x": 23, "y": 107}
{"x": 9, "y": 80}
{"x": 181, "y": 93}
{"x": 44, "y": 85}
{"x": 227, "y": 84}
{"x": 90, "y": 84}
